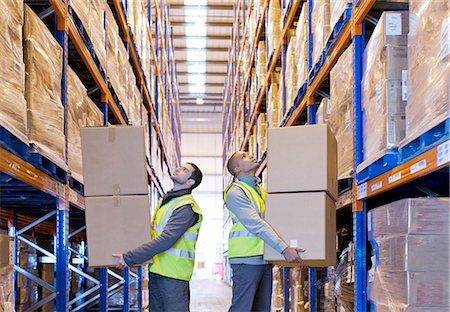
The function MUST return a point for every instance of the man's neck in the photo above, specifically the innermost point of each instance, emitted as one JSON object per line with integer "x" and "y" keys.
{"x": 178, "y": 187}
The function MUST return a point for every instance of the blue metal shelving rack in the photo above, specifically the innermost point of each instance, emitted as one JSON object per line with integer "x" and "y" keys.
{"x": 350, "y": 29}
{"x": 51, "y": 200}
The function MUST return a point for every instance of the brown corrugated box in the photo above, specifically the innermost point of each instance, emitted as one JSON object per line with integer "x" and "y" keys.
{"x": 6, "y": 250}
{"x": 293, "y": 168}
{"x": 303, "y": 220}
{"x": 114, "y": 161}
{"x": 116, "y": 224}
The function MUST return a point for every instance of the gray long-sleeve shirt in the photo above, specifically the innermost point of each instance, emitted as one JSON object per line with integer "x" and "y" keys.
{"x": 238, "y": 203}
{"x": 179, "y": 222}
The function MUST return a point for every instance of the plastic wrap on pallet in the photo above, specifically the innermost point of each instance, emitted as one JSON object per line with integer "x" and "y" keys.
{"x": 273, "y": 25}
{"x": 134, "y": 110}
{"x": 7, "y": 301}
{"x": 323, "y": 111}
{"x": 297, "y": 289}
{"x": 261, "y": 134}
{"x": 320, "y": 27}
{"x": 261, "y": 63}
{"x": 429, "y": 66}
{"x": 301, "y": 47}
{"x": 13, "y": 108}
{"x": 43, "y": 63}
{"x": 344, "y": 287}
{"x": 94, "y": 114}
{"x": 337, "y": 8}
{"x": 273, "y": 105}
{"x": 121, "y": 88}
{"x": 291, "y": 74}
{"x": 112, "y": 50}
{"x": 410, "y": 216}
{"x": 398, "y": 291}
{"x": 77, "y": 114}
{"x": 253, "y": 90}
{"x": 145, "y": 117}
{"x": 277, "y": 289}
{"x": 341, "y": 111}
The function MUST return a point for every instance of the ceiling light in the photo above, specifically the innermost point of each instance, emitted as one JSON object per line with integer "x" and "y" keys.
{"x": 200, "y": 101}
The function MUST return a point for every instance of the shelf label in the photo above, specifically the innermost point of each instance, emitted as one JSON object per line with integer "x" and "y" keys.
{"x": 395, "y": 177}
{"x": 443, "y": 153}
{"x": 393, "y": 24}
{"x": 376, "y": 186}
{"x": 362, "y": 190}
{"x": 418, "y": 166}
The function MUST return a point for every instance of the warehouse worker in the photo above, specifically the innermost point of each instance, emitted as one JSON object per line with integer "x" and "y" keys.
{"x": 245, "y": 200}
{"x": 176, "y": 224}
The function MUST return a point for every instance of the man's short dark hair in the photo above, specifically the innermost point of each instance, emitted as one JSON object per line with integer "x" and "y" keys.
{"x": 197, "y": 175}
{"x": 231, "y": 164}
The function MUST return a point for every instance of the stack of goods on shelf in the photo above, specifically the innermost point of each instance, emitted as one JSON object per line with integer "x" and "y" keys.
{"x": 323, "y": 111}
{"x": 261, "y": 132}
{"x": 81, "y": 112}
{"x": 6, "y": 273}
{"x": 274, "y": 25}
{"x": 403, "y": 235}
{"x": 320, "y": 27}
{"x": 112, "y": 49}
{"x": 277, "y": 289}
{"x": 341, "y": 111}
{"x": 145, "y": 123}
{"x": 274, "y": 108}
{"x": 253, "y": 90}
{"x": 261, "y": 64}
{"x": 337, "y": 8}
{"x": 385, "y": 62}
{"x": 253, "y": 149}
{"x": 110, "y": 195}
{"x": 306, "y": 177}
{"x": 13, "y": 111}
{"x": 345, "y": 279}
{"x": 298, "y": 289}
{"x": 429, "y": 66}
{"x": 291, "y": 73}
{"x": 92, "y": 14}
{"x": 134, "y": 110}
{"x": 43, "y": 64}
{"x": 301, "y": 47}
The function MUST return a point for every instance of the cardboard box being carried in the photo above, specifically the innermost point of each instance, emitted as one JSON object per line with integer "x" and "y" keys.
{"x": 116, "y": 224}
{"x": 114, "y": 161}
{"x": 302, "y": 159}
{"x": 303, "y": 220}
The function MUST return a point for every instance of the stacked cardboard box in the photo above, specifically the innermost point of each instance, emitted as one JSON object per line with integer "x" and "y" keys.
{"x": 43, "y": 64}
{"x": 7, "y": 299}
{"x": 13, "y": 111}
{"x": 274, "y": 25}
{"x": 112, "y": 50}
{"x": 261, "y": 64}
{"x": 385, "y": 62}
{"x": 291, "y": 73}
{"x": 403, "y": 235}
{"x": 273, "y": 106}
{"x": 115, "y": 198}
{"x": 320, "y": 27}
{"x": 302, "y": 184}
{"x": 301, "y": 49}
{"x": 341, "y": 111}
{"x": 429, "y": 66}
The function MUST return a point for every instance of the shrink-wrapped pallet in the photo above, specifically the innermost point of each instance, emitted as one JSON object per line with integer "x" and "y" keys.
{"x": 301, "y": 47}
{"x": 291, "y": 74}
{"x": 124, "y": 65}
{"x": 323, "y": 111}
{"x": 385, "y": 62}
{"x": 320, "y": 27}
{"x": 261, "y": 64}
{"x": 43, "y": 64}
{"x": 429, "y": 66}
{"x": 337, "y": 8}
{"x": 13, "y": 108}
{"x": 277, "y": 289}
{"x": 76, "y": 118}
{"x": 134, "y": 110}
{"x": 273, "y": 105}
{"x": 146, "y": 125}
{"x": 112, "y": 49}
{"x": 261, "y": 134}
{"x": 7, "y": 300}
{"x": 253, "y": 90}
{"x": 92, "y": 14}
{"x": 95, "y": 117}
{"x": 274, "y": 25}
{"x": 341, "y": 111}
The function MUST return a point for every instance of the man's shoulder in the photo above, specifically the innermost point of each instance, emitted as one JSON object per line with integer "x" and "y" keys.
{"x": 235, "y": 190}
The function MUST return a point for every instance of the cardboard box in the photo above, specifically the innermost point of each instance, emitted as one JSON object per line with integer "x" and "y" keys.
{"x": 6, "y": 250}
{"x": 116, "y": 224}
{"x": 293, "y": 168}
{"x": 114, "y": 161}
{"x": 303, "y": 220}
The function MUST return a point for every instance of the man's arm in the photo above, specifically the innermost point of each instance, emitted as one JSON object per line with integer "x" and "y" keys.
{"x": 179, "y": 222}
{"x": 239, "y": 204}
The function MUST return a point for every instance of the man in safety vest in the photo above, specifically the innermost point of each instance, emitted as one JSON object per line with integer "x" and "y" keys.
{"x": 176, "y": 223}
{"x": 245, "y": 200}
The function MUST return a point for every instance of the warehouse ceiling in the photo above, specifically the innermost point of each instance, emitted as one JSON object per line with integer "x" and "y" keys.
{"x": 202, "y": 35}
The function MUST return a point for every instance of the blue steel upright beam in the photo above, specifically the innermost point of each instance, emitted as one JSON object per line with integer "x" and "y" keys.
{"x": 360, "y": 211}
{"x": 126, "y": 290}
{"x": 139, "y": 294}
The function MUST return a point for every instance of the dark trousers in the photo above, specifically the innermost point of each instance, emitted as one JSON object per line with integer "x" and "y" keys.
{"x": 252, "y": 288}
{"x": 168, "y": 294}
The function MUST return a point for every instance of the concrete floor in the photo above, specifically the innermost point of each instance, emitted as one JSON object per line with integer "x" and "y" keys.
{"x": 210, "y": 296}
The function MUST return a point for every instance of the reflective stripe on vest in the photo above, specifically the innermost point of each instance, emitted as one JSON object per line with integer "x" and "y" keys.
{"x": 178, "y": 261}
{"x": 243, "y": 243}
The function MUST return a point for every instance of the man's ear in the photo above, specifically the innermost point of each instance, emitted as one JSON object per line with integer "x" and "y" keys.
{"x": 236, "y": 170}
{"x": 190, "y": 182}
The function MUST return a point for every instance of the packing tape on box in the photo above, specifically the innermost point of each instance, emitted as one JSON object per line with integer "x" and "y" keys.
{"x": 111, "y": 134}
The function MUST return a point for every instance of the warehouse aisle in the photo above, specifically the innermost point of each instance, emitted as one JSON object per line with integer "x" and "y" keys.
{"x": 209, "y": 296}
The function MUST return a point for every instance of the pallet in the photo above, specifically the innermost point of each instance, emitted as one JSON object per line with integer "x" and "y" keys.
{"x": 76, "y": 185}
{"x": 388, "y": 160}
{"x": 87, "y": 41}
{"x": 12, "y": 144}
{"x": 425, "y": 141}
{"x": 46, "y": 165}
{"x": 343, "y": 20}
{"x": 300, "y": 94}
